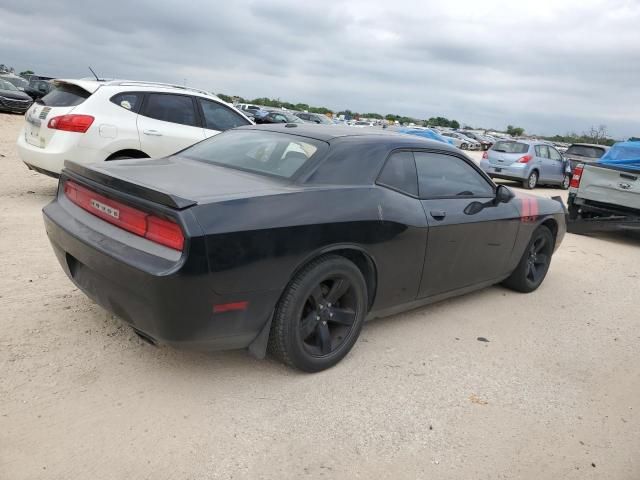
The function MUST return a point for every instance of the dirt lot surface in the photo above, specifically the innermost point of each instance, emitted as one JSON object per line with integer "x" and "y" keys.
{"x": 553, "y": 394}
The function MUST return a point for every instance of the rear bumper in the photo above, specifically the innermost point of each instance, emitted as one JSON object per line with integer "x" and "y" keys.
{"x": 167, "y": 302}
{"x": 507, "y": 172}
{"x": 51, "y": 158}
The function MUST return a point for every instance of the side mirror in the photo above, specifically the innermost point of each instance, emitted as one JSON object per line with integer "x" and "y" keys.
{"x": 503, "y": 194}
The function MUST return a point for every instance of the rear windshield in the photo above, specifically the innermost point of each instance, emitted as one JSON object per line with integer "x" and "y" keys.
{"x": 64, "y": 95}
{"x": 510, "y": 147}
{"x": 270, "y": 153}
{"x": 584, "y": 151}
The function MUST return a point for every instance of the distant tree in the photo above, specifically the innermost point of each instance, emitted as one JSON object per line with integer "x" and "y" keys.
{"x": 226, "y": 98}
{"x": 26, "y": 73}
{"x": 514, "y": 131}
{"x": 455, "y": 124}
{"x": 372, "y": 115}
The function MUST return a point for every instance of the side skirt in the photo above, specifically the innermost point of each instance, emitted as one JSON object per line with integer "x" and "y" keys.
{"x": 421, "y": 302}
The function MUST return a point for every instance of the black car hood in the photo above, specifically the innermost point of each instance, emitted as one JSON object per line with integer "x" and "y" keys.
{"x": 179, "y": 182}
{"x": 14, "y": 95}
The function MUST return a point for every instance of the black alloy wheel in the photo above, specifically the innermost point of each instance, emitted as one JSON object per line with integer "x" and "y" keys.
{"x": 328, "y": 316}
{"x": 320, "y": 314}
{"x": 534, "y": 264}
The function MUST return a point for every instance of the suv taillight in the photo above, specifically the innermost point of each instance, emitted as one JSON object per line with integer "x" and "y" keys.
{"x": 577, "y": 176}
{"x": 71, "y": 123}
{"x": 525, "y": 159}
{"x": 156, "y": 229}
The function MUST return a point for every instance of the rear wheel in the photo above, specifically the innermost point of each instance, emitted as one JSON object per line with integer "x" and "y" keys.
{"x": 320, "y": 315}
{"x": 464, "y": 146}
{"x": 531, "y": 181}
{"x": 565, "y": 182}
{"x": 534, "y": 263}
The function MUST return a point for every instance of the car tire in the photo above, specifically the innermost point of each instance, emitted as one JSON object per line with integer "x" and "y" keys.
{"x": 531, "y": 181}
{"x": 320, "y": 315}
{"x": 566, "y": 181}
{"x": 464, "y": 146}
{"x": 534, "y": 264}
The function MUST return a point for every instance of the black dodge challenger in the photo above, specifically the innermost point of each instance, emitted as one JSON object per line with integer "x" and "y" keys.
{"x": 288, "y": 237}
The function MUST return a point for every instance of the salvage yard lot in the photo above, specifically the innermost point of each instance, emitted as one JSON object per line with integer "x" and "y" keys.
{"x": 553, "y": 393}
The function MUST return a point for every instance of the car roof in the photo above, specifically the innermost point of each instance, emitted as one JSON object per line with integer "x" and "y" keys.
{"x": 328, "y": 133}
{"x": 604, "y": 147}
{"x": 92, "y": 85}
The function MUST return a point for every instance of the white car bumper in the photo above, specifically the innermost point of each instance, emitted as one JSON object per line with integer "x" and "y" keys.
{"x": 60, "y": 148}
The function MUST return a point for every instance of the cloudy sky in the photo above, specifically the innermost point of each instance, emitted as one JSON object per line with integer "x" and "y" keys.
{"x": 548, "y": 66}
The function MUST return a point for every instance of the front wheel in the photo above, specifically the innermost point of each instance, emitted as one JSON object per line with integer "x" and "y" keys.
{"x": 320, "y": 315}
{"x": 534, "y": 263}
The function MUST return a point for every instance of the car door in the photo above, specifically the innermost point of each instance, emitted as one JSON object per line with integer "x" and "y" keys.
{"x": 556, "y": 166}
{"x": 542, "y": 162}
{"x": 218, "y": 118}
{"x": 168, "y": 123}
{"x": 470, "y": 234}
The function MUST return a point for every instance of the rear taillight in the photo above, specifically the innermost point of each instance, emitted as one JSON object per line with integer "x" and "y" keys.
{"x": 577, "y": 176}
{"x": 485, "y": 155}
{"x": 156, "y": 229}
{"x": 525, "y": 159}
{"x": 71, "y": 123}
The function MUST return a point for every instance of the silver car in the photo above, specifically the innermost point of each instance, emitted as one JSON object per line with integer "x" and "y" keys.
{"x": 532, "y": 163}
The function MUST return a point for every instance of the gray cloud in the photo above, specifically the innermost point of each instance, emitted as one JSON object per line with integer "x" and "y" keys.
{"x": 551, "y": 67}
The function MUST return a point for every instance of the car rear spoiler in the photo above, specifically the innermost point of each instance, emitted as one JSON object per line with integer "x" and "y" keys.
{"x": 156, "y": 196}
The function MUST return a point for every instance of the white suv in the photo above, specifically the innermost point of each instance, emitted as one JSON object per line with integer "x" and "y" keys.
{"x": 92, "y": 121}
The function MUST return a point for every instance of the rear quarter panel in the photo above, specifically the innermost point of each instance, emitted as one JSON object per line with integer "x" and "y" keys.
{"x": 257, "y": 244}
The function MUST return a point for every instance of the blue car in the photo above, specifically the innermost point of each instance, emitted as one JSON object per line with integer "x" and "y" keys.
{"x": 426, "y": 133}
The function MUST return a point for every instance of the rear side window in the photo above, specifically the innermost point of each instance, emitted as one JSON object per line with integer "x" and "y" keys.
{"x": 218, "y": 117}
{"x": 171, "y": 108}
{"x": 442, "y": 175}
{"x": 128, "y": 100}
{"x": 399, "y": 173}
{"x": 65, "y": 95}
{"x": 542, "y": 151}
{"x": 510, "y": 147}
{"x": 255, "y": 151}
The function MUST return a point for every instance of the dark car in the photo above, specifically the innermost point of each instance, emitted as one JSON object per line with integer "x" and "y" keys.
{"x": 290, "y": 236}
{"x": 584, "y": 153}
{"x": 275, "y": 116}
{"x": 12, "y": 99}
{"x": 318, "y": 118}
{"x": 38, "y": 88}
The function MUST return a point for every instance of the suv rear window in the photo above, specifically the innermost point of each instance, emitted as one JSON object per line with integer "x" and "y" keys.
{"x": 584, "y": 151}
{"x": 510, "y": 147}
{"x": 269, "y": 153}
{"x": 64, "y": 95}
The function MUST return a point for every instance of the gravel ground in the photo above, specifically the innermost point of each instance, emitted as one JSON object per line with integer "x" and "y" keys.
{"x": 553, "y": 394}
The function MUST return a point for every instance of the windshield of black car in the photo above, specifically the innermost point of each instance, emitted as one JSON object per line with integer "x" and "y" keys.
{"x": 585, "y": 151}
{"x": 65, "y": 95}
{"x": 16, "y": 81}
{"x": 510, "y": 147}
{"x": 256, "y": 151}
{"x": 4, "y": 85}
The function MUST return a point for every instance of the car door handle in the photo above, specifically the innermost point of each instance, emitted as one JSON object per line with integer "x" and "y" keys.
{"x": 153, "y": 133}
{"x": 438, "y": 214}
